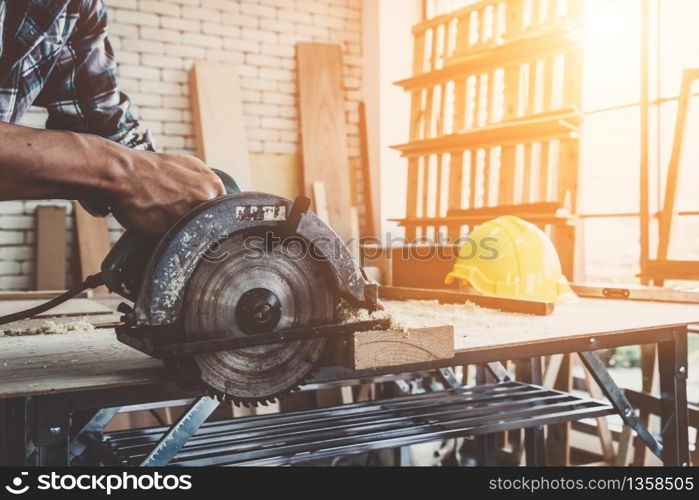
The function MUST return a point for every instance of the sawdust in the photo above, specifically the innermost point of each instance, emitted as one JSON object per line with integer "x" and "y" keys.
{"x": 430, "y": 313}
{"x": 50, "y": 327}
{"x": 348, "y": 314}
{"x": 411, "y": 314}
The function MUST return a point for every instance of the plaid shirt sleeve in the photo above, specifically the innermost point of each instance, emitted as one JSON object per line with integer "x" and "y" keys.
{"x": 82, "y": 92}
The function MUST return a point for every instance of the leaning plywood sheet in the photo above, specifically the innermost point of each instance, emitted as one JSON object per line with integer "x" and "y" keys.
{"x": 219, "y": 124}
{"x": 324, "y": 134}
{"x": 277, "y": 174}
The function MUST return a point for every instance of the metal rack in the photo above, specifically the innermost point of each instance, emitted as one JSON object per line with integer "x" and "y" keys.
{"x": 298, "y": 437}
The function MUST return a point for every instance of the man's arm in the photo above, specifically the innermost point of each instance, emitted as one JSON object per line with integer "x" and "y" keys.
{"x": 147, "y": 191}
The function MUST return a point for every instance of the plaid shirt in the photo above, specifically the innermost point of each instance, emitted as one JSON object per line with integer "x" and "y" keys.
{"x": 55, "y": 54}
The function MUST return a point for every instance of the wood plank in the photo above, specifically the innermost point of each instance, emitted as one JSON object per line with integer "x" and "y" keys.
{"x": 280, "y": 175}
{"x": 93, "y": 242}
{"x": 320, "y": 201}
{"x": 324, "y": 135}
{"x": 51, "y": 224}
{"x": 219, "y": 122}
{"x": 370, "y": 216}
{"x": 454, "y": 297}
{"x": 394, "y": 347}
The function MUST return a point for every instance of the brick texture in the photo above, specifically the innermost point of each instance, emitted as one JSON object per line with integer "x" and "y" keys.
{"x": 157, "y": 41}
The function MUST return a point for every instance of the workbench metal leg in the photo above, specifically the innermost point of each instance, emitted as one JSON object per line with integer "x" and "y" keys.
{"x": 448, "y": 378}
{"x": 13, "y": 432}
{"x": 486, "y": 445}
{"x": 50, "y": 430}
{"x": 534, "y": 437}
{"x": 97, "y": 423}
{"x": 174, "y": 439}
{"x": 672, "y": 363}
{"x": 401, "y": 456}
{"x": 535, "y": 446}
{"x": 599, "y": 372}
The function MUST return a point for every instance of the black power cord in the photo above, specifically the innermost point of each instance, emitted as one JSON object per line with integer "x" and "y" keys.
{"x": 91, "y": 282}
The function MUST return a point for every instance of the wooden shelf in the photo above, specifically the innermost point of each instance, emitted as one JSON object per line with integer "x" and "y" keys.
{"x": 561, "y": 124}
{"x": 541, "y": 44}
{"x": 537, "y": 219}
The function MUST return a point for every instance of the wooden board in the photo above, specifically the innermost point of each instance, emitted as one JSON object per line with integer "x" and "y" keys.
{"x": 382, "y": 349}
{"x": 457, "y": 297}
{"x": 370, "y": 216}
{"x": 280, "y": 175}
{"x": 320, "y": 202}
{"x": 92, "y": 236}
{"x": 324, "y": 134}
{"x": 219, "y": 123}
{"x": 74, "y": 307}
{"x": 50, "y": 248}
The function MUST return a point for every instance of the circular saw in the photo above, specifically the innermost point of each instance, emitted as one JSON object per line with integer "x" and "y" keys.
{"x": 241, "y": 296}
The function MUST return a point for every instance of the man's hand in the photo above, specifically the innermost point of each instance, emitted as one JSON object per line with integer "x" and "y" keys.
{"x": 161, "y": 188}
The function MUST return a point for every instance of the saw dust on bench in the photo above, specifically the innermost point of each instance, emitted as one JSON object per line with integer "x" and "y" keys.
{"x": 478, "y": 328}
{"x": 50, "y": 327}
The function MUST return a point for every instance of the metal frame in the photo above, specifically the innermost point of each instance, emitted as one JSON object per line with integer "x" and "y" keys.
{"x": 38, "y": 427}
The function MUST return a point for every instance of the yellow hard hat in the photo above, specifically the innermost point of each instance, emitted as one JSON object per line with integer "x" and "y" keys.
{"x": 512, "y": 258}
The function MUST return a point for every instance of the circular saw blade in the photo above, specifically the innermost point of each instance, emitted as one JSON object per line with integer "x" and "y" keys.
{"x": 278, "y": 285}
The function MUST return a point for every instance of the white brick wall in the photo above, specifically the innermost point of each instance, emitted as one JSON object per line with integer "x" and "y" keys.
{"x": 156, "y": 42}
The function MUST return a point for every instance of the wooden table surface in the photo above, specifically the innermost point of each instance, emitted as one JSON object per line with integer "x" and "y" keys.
{"x": 44, "y": 364}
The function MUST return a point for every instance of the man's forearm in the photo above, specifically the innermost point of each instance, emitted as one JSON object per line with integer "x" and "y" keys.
{"x": 37, "y": 164}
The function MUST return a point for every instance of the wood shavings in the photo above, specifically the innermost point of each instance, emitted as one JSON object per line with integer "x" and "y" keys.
{"x": 430, "y": 313}
{"x": 50, "y": 327}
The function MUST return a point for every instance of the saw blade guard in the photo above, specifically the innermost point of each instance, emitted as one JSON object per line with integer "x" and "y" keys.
{"x": 199, "y": 234}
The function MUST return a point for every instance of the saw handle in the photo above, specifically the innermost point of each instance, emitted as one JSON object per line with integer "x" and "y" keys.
{"x": 123, "y": 268}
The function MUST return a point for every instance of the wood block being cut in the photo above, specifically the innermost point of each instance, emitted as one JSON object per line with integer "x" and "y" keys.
{"x": 382, "y": 349}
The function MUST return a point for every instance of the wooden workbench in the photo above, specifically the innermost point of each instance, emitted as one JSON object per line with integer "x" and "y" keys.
{"x": 74, "y": 362}
{"x": 50, "y": 382}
